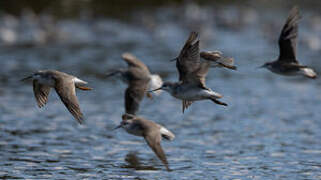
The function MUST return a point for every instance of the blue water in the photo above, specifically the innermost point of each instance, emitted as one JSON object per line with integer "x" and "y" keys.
{"x": 270, "y": 130}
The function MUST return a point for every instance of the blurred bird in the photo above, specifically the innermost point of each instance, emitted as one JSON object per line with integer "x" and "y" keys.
{"x": 64, "y": 85}
{"x": 139, "y": 81}
{"x": 287, "y": 64}
{"x": 192, "y": 73}
{"x": 151, "y": 131}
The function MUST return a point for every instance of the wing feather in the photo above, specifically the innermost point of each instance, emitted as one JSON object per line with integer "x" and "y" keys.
{"x": 134, "y": 61}
{"x": 65, "y": 88}
{"x": 153, "y": 139}
{"x": 41, "y": 93}
{"x": 288, "y": 37}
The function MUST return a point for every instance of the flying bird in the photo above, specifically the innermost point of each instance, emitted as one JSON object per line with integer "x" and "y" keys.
{"x": 192, "y": 73}
{"x": 65, "y": 86}
{"x": 287, "y": 63}
{"x": 139, "y": 80}
{"x": 151, "y": 131}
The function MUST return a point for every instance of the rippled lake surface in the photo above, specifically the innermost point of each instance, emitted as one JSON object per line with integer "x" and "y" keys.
{"x": 270, "y": 130}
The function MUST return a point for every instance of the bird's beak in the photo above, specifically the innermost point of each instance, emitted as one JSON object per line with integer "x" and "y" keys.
{"x": 119, "y": 126}
{"x": 155, "y": 89}
{"x": 263, "y": 66}
{"x": 26, "y": 78}
{"x": 175, "y": 59}
{"x": 111, "y": 74}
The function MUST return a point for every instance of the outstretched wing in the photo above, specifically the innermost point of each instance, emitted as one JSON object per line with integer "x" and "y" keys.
{"x": 188, "y": 60}
{"x": 153, "y": 139}
{"x": 218, "y": 60}
{"x": 138, "y": 80}
{"x": 65, "y": 88}
{"x": 288, "y": 37}
{"x": 133, "y": 61}
{"x": 41, "y": 93}
{"x": 189, "y": 65}
{"x": 133, "y": 96}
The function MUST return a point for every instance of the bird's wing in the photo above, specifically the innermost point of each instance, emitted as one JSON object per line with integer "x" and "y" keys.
{"x": 41, "y": 93}
{"x": 134, "y": 95}
{"x": 133, "y": 61}
{"x": 218, "y": 60}
{"x": 65, "y": 88}
{"x": 186, "y": 104}
{"x": 153, "y": 139}
{"x": 188, "y": 60}
{"x": 288, "y": 37}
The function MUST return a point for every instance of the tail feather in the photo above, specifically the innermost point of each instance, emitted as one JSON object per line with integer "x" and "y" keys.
{"x": 79, "y": 81}
{"x": 166, "y": 134}
{"x": 308, "y": 72}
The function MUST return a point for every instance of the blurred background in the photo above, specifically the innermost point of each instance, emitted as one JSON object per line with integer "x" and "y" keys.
{"x": 270, "y": 130}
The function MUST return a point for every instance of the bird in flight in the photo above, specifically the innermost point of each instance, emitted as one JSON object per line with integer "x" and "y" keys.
{"x": 65, "y": 86}
{"x": 151, "y": 131}
{"x": 139, "y": 80}
{"x": 287, "y": 63}
{"x": 192, "y": 73}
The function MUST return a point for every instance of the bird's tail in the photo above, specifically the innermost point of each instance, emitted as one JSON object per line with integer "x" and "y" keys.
{"x": 166, "y": 134}
{"x": 308, "y": 72}
{"x": 155, "y": 82}
{"x": 80, "y": 84}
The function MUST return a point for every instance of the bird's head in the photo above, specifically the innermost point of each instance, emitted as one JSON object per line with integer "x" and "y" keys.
{"x": 127, "y": 120}
{"x": 35, "y": 76}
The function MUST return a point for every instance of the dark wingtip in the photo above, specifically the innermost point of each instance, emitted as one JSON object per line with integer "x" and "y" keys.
{"x": 26, "y": 78}
{"x": 80, "y": 120}
{"x": 167, "y": 168}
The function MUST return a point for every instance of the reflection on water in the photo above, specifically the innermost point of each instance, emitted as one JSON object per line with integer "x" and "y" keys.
{"x": 271, "y": 129}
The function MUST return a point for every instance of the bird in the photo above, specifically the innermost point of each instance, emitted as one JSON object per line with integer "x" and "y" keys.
{"x": 151, "y": 131}
{"x": 139, "y": 80}
{"x": 64, "y": 84}
{"x": 287, "y": 63}
{"x": 192, "y": 73}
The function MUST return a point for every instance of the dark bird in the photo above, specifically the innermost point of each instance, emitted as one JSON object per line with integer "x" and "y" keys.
{"x": 64, "y": 85}
{"x": 139, "y": 80}
{"x": 192, "y": 73}
{"x": 151, "y": 131}
{"x": 287, "y": 64}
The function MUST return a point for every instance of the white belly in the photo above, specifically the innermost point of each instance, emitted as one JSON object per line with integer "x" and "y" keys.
{"x": 197, "y": 94}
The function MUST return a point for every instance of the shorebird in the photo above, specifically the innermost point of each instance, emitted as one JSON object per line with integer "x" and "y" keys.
{"x": 192, "y": 73}
{"x": 139, "y": 80}
{"x": 64, "y": 85}
{"x": 151, "y": 131}
{"x": 287, "y": 64}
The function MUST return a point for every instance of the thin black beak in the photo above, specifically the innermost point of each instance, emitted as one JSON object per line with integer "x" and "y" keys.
{"x": 175, "y": 59}
{"x": 113, "y": 73}
{"x": 263, "y": 66}
{"x": 155, "y": 89}
{"x": 119, "y": 126}
{"x": 26, "y": 78}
